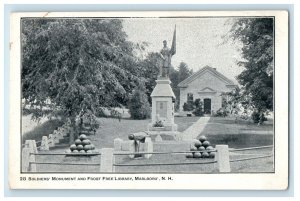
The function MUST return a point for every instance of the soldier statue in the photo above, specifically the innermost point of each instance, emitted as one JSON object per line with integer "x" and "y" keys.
{"x": 166, "y": 54}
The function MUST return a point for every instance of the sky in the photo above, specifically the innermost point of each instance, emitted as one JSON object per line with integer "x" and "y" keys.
{"x": 199, "y": 41}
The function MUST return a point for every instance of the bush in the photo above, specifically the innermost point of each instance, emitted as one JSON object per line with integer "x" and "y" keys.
{"x": 221, "y": 113}
{"x": 158, "y": 124}
{"x": 189, "y": 106}
{"x": 139, "y": 107}
{"x": 258, "y": 117}
{"x": 101, "y": 113}
{"x": 195, "y": 106}
{"x": 198, "y": 108}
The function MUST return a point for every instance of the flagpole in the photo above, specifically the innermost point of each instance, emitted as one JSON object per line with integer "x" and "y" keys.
{"x": 173, "y": 48}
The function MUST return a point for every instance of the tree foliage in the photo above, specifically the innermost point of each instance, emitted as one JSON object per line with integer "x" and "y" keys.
{"x": 139, "y": 106}
{"x": 76, "y": 64}
{"x": 176, "y": 76}
{"x": 70, "y": 66}
{"x": 149, "y": 68}
{"x": 256, "y": 35}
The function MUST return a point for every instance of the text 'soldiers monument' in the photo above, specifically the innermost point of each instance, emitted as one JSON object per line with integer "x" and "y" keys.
{"x": 163, "y": 98}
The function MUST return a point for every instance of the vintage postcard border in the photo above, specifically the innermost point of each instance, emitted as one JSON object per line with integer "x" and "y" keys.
{"x": 278, "y": 180}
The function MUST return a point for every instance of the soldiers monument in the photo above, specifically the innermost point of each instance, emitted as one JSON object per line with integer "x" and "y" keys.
{"x": 163, "y": 97}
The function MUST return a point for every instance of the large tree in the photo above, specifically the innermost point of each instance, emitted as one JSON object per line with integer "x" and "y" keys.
{"x": 256, "y": 35}
{"x": 176, "y": 76}
{"x": 149, "y": 68}
{"x": 76, "y": 64}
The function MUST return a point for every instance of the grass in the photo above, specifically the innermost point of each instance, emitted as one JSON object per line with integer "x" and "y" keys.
{"x": 113, "y": 128}
{"x": 218, "y": 131}
{"x": 40, "y": 130}
{"x": 221, "y": 130}
{"x": 110, "y": 128}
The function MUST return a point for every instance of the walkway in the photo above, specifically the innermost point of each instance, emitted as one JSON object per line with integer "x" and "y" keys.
{"x": 194, "y": 130}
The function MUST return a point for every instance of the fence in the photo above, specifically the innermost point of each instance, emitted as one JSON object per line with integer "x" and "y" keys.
{"x": 251, "y": 158}
{"x": 52, "y": 140}
{"x": 107, "y": 158}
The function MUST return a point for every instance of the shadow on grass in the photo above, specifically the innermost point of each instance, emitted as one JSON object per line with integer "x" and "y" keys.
{"x": 227, "y": 131}
{"x": 241, "y": 140}
{"x": 44, "y": 129}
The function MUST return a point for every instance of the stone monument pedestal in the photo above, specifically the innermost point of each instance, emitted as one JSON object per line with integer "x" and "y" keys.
{"x": 163, "y": 100}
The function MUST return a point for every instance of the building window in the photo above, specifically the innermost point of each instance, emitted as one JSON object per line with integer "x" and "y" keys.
{"x": 190, "y": 97}
{"x": 224, "y": 101}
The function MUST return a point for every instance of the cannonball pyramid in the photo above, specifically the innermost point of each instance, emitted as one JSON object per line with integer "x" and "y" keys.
{"x": 201, "y": 149}
{"x": 82, "y": 145}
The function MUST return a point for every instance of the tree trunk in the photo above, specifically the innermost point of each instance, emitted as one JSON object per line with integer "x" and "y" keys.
{"x": 74, "y": 130}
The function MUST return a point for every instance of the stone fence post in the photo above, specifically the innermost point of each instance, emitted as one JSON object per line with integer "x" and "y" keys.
{"x": 25, "y": 159}
{"x": 222, "y": 158}
{"x": 51, "y": 141}
{"x": 55, "y": 136}
{"x": 32, "y": 145}
{"x": 28, "y": 156}
{"x": 44, "y": 144}
{"x": 107, "y": 160}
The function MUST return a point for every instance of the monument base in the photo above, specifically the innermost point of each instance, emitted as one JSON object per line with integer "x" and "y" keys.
{"x": 131, "y": 146}
{"x": 164, "y": 134}
{"x": 166, "y": 127}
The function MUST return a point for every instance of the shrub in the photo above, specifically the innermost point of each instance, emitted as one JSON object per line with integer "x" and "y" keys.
{"x": 189, "y": 106}
{"x": 139, "y": 106}
{"x": 258, "y": 117}
{"x": 195, "y": 106}
{"x": 221, "y": 113}
{"x": 158, "y": 124}
{"x": 198, "y": 108}
{"x": 100, "y": 112}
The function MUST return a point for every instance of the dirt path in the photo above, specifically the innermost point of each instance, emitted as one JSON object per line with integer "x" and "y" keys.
{"x": 194, "y": 130}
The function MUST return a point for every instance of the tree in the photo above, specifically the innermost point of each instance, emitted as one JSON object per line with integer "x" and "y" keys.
{"x": 235, "y": 102}
{"x": 184, "y": 71}
{"x": 76, "y": 64}
{"x": 139, "y": 106}
{"x": 176, "y": 76}
{"x": 149, "y": 68}
{"x": 256, "y": 35}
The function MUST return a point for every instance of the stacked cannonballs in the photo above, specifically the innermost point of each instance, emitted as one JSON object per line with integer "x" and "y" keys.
{"x": 201, "y": 149}
{"x": 82, "y": 145}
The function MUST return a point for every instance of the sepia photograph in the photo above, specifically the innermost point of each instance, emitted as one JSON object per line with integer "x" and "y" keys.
{"x": 139, "y": 97}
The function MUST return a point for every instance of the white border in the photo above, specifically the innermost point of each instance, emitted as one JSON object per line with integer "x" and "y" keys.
{"x": 276, "y": 181}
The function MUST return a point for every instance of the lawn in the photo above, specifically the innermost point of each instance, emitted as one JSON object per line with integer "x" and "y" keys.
{"x": 34, "y": 130}
{"x": 239, "y": 134}
{"x": 218, "y": 131}
{"x": 113, "y": 128}
{"x": 110, "y": 128}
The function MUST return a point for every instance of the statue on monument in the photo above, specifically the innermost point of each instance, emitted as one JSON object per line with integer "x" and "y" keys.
{"x": 166, "y": 55}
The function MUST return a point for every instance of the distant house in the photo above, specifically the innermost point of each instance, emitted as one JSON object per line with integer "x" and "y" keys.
{"x": 208, "y": 85}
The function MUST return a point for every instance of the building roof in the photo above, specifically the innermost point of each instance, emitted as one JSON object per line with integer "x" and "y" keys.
{"x": 200, "y": 72}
